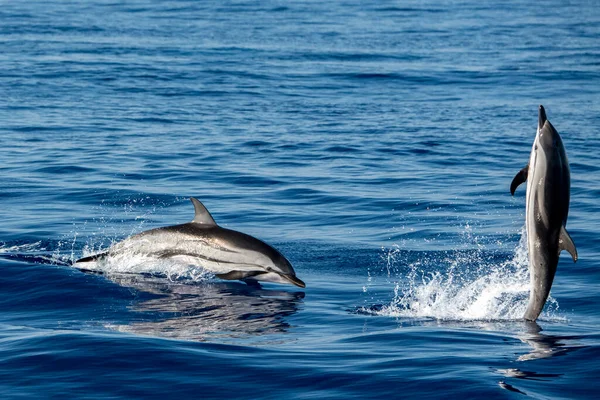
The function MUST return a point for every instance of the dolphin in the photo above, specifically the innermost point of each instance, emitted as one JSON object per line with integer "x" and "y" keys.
{"x": 547, "y": 206}
{"x": 229, "y": 254}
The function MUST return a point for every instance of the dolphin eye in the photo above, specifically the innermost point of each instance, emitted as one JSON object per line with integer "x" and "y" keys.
{"x": 536, "y": 147}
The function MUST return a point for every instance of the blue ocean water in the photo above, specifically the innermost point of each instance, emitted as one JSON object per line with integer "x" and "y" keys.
{"x": 371, "y": 143}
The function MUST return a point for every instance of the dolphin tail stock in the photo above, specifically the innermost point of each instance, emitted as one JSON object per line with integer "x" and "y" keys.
{"x": 533, "y": 311}
{"x": 519, "y": 178}
{"x": 95, "y": 257}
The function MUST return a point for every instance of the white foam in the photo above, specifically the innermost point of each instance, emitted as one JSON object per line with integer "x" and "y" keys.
{"x": 135, "y": 263}
{"x": 465, "y": 286}
{"x": 130, "y": 262}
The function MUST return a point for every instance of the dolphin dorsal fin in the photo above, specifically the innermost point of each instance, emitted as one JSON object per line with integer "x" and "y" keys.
{"x": 566, "y": 243}
{"x": 202, "y": 216}
{"x": 519, "y": 178}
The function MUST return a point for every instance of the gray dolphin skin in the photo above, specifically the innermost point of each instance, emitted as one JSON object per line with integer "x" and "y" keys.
{"x": 547, "y": 206}
{"x": 229, "y": 254}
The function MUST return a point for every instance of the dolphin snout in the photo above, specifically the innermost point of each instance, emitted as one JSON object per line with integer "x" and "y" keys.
{"x": 293, "y": 279}
{"x": 542, "y": 117}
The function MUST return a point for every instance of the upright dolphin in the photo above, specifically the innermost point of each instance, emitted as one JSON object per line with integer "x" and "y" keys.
{"x": 227, "y": 253}
{"x": 547, "y": 206}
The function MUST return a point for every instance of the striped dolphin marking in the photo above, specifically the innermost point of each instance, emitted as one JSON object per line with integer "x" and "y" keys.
{"x": 229, "y": 254}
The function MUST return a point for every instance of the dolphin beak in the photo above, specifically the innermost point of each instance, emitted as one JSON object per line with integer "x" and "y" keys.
{"x": 542, "y": 117}
{"x": 294, "y": 280}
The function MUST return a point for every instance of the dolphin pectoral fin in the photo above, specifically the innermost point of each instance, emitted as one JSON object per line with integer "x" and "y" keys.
{"x": 566, "y": 243}
{"x": 519, "y": 178}
{"x": 238, "y": 275}
{"x": 201, "y": 216}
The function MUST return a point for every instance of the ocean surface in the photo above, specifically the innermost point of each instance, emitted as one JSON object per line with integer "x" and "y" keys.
{"x": 372, "y": 143}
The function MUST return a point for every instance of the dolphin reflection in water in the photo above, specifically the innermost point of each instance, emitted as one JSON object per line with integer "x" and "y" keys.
{"x": 211, "y": 311}
{"x": 542, "y": 346}
{"x": 545, "y": 346}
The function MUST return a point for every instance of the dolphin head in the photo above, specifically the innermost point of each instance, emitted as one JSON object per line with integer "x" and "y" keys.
{"x": 547, "y": 138}
{"x": 281, "y": 271}
{"x": 246, "y": 257}
{"x": 263, "y": 262}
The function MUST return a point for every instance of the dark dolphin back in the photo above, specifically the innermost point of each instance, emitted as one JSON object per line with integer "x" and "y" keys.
{"x": 248, "y": 242}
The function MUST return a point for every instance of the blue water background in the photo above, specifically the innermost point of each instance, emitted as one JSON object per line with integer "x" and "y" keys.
{"x": 372, "y": 143}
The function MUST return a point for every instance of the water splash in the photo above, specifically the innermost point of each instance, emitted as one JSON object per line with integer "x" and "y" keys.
{"x": 109, "y": 233}
{"x": 461, "y": 286}
{"x": 130, "y": 262}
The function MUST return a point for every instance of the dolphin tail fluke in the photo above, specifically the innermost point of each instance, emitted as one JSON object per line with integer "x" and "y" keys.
{"x": 95, "y": 257}
{"x": 519, "y": 178}
{"x": 566, "y": 243}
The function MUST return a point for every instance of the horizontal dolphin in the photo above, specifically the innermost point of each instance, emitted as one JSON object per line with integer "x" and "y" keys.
{"x": 547, "y": 206}
{"x": 229, "y": 254}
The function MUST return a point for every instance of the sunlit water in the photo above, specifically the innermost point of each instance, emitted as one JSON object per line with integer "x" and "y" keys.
{"x": 373, "y": 145}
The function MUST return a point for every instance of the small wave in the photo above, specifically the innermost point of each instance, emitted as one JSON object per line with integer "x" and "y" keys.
{"x": 462, "y": 287}
{"x": 38, "y": 252}
{"x": 19, "y": 248}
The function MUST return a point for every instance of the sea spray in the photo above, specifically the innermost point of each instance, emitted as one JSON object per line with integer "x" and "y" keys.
{"x": 459, "y": 285}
